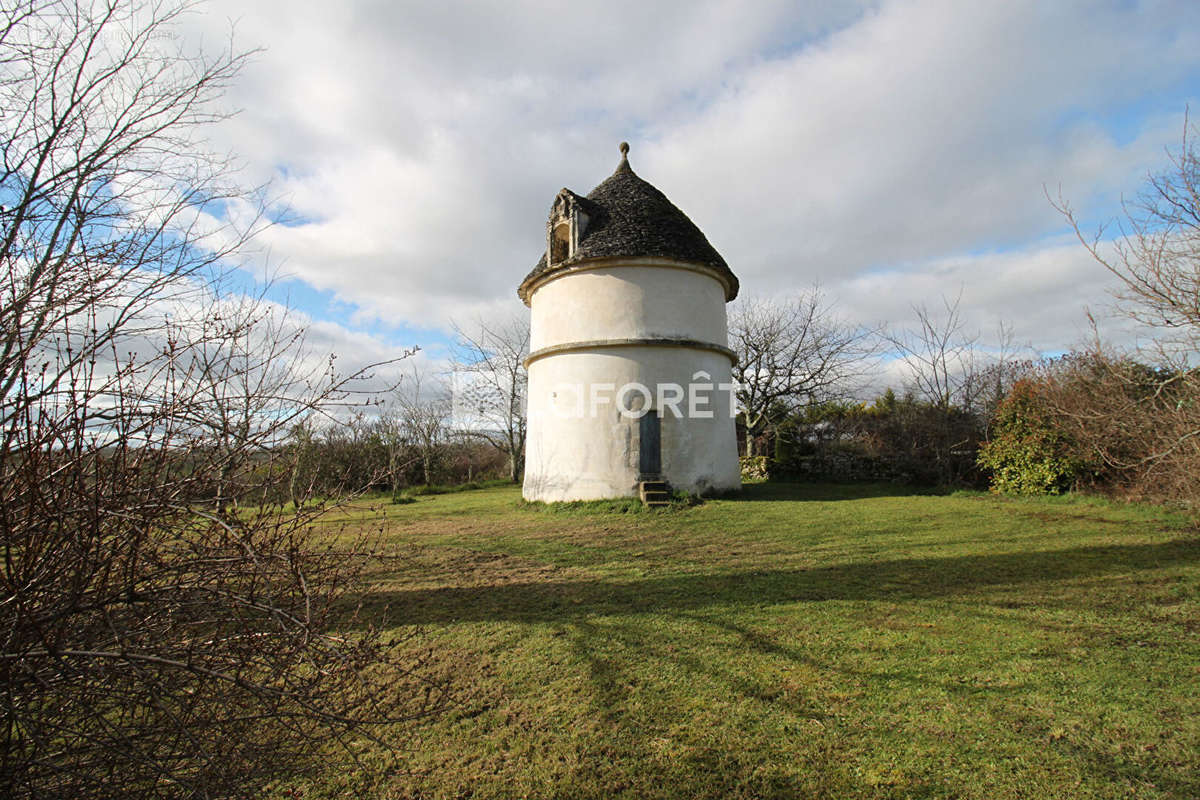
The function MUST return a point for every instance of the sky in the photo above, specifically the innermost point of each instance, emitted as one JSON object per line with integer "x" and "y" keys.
{"x": 891, "y": 152}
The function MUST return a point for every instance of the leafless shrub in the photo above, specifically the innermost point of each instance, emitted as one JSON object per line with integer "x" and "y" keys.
{"x": 1132, "y": 424}
{"x": 166, "y": 627}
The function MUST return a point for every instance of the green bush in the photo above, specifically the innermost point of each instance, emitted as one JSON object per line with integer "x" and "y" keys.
{"x": 755, "y": 468}
{"x": 1026, "y": 454}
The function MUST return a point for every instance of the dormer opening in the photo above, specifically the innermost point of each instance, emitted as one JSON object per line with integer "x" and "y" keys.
{"x": 565, "y": 227}
{"x": 560, "y": 242}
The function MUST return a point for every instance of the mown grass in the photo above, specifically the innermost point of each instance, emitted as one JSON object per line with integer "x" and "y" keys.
{"x": 803, "y": 641}
{"x": 443, "y": 488}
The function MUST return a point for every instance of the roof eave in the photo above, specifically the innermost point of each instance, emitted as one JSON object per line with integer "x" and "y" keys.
{"x": 536, "y": 280}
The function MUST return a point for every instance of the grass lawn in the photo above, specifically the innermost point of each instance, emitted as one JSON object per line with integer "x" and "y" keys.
{"x": 803, "y": 641}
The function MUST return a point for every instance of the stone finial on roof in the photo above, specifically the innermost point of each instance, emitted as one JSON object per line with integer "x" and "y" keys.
{"x": 624, "y": 149}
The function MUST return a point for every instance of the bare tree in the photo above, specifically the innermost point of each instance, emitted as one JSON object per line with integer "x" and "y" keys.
{"x": 154, "y": 641}
{"x": 423, "y": 409}
{"x": 492, "y": 357}
{"x": 251, "y": 372}
{"x": 301, "y": 475}
{"x": 996, "y": 369}
{"x": 1156, "y": 256}
{"x": 950, "y": 367}
{"x": 394, "y": 437}
{"x": 939, "y": 355}
{"x": 1156, "y": 260}
{"x": 955, "y": 383}
{"x": 792, "y": 353}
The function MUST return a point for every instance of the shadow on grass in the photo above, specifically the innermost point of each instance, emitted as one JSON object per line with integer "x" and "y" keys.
{"x": 827, "y": 492}
{"x": 914, "y": 578}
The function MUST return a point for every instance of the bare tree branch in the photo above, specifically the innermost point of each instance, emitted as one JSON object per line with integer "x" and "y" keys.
{"x": 792, "y": 353}
{"x": 493, "y": 356}
{"x": 166, "y": 623}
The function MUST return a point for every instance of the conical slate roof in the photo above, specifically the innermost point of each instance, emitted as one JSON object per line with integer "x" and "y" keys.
{"x": 628, "y": 217}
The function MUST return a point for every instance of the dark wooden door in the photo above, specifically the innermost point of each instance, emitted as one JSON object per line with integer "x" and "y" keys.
{"x": 650, "y": 444}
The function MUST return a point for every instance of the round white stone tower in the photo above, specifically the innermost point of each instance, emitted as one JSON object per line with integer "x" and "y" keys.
{"x": 629, "y": 365}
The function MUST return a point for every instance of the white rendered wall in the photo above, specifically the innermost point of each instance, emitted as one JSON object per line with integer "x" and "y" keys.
{"x": 572, "y": 454}
{"x": 628, "y": 302}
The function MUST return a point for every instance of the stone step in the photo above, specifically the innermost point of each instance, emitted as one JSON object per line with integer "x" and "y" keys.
{"x": 655, "y": 494}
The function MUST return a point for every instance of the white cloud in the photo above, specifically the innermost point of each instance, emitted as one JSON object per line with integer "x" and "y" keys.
{"x": 891, "y": 151}
{"x": 1043, "y": 292}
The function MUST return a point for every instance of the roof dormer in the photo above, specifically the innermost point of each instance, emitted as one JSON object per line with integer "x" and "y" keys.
{"x": 623, "y": 217}
{"x": 566, "y": 227}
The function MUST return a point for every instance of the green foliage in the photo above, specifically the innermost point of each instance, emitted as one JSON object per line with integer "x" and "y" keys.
{"x": 895, "y": 438}
{"x": 886, "y": 403}
{"x": 754, "y": 468}
{"x": 1026, "y": 454}
{"x": 828, "y": 411}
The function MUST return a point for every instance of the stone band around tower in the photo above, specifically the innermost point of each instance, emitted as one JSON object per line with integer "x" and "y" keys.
{"x": 600, "y": 344}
